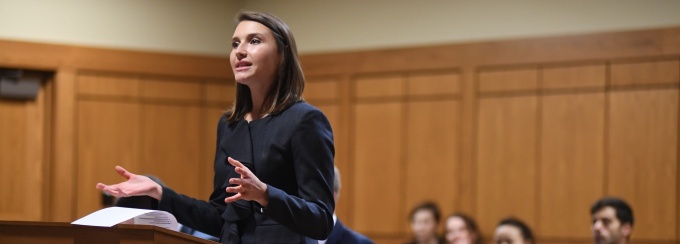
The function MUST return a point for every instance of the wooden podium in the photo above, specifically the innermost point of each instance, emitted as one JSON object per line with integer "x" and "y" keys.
{"x": 20, "y": 232}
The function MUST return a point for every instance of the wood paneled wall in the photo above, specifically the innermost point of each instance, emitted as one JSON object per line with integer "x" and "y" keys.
{"x": 536, "y": 128}
{"x": 22, "y": 156}
{"x": 149, "y": 125}
{"x": 152, "y": 113}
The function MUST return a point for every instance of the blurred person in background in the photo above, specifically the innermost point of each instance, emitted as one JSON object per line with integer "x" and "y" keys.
{"x": 612, "y": 221}
{"x": 424, "y": 223}
{"x": 340, "y": 233}
{"x": 461, "y": 229}
{"x": 513, "y": 231}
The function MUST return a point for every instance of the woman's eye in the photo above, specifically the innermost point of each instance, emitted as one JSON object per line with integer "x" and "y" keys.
{"x": 255, "y": 41}
{"x": 235, "y": 44}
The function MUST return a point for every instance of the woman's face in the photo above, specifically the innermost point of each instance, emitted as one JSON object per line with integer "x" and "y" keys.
{"x": 457, "y": 232}
{"x": 508, "y": 234}
{"x": 254, "y": 56}
{"x": 424, "y": 226}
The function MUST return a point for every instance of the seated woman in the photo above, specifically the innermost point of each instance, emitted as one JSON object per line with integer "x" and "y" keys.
{"x": 461, "y": 229}
{"x": 512, "y": 231}
{"x": 424, "y": 223}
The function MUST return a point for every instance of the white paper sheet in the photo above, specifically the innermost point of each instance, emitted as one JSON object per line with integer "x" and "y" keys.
{"x": 115, "y": 215}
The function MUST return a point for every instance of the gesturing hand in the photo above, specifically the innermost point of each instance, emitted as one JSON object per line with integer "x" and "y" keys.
{"x": 135, "y": 185}
{"x": 249, "y": 186}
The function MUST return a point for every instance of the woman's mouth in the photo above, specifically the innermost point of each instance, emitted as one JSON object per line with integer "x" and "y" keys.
{"x": 242, "y": 65}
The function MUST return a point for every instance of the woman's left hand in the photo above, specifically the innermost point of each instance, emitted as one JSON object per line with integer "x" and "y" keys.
{"x": 249, "y": 186}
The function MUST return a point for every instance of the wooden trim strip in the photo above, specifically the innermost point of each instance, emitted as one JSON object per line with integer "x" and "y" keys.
{"x": 52, "y": 57}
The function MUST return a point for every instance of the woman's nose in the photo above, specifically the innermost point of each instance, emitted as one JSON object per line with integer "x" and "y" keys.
{"x": 240, "y": 53}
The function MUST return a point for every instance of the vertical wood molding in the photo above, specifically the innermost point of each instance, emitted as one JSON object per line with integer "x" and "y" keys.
{"x": 466, "y": 168}
{"x": 47, "y": 148}
{"x": 677, "y": 176}
{"x": 62, "y": 179}
{"x": 342, "y": 149}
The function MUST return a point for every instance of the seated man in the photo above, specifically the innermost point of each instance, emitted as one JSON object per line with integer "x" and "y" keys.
{"x": 612, "y": 221}
{"x": 341, "y": 234}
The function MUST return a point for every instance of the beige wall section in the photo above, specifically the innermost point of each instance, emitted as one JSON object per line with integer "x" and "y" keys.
{"x": 181, "y": 26}
{"x": 322, "y": 26}
{"x": 204, "y": 27}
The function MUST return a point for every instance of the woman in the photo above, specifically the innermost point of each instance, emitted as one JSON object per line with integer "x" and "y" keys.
{"x": 424, "y": 222}
{"x": 462, "y": 229}
{"x": 512, "y": 231}
{"x": 274, "y": 161}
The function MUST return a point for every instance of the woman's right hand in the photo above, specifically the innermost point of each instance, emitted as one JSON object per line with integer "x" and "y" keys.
{"x": 135, "y": 185}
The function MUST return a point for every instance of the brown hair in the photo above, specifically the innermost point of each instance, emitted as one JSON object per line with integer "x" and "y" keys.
{"x": 470, "y": 225}
{"x": 289, "y": 82}
{"x": 427, "y": 206}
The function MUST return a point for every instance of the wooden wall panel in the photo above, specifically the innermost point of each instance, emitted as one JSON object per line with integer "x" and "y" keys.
{"x": 572, "y": 163}
{"x": 171, "y": 146}
{"x": 433, "y": 154}
{"x": 377, "y": 148}
{"x": 221, "y": 92}
{"x": 576, "y": 76}
{"x": 505, "y": 80}
{"x": 379, "y": 86}
{"x": 170, "y": 89}
{"x": 108, "y": 135}
{"x": 321, "y": 89}
{"x": 427, "y": 84}
{"x": 645, "y": 72}
{"x": 643, "y": 161}
{"x": 102, "y": 85}
{"x": 506, "y": 160}
{"x": 22, "y": 136}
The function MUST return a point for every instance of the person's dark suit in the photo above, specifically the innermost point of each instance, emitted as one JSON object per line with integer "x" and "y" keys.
{"x": 292, "y": 152}
{"x": 344, "y": 235}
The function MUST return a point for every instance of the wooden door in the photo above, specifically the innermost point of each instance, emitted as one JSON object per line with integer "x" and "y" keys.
{"x": 23, "y": 153}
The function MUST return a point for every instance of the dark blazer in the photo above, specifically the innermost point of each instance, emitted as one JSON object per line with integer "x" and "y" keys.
{"x": 292, "y": 152}
{"x": 344, "y": 235}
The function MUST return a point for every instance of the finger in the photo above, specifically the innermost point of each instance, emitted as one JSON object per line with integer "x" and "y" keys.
{"x": 235, "y": 189}
{"x": 112, "y": 191}
{"x": 235, "y": 162}
{"x": 101, "y": 186}
{"x": 237, "y": 181}
{"x": 233, "y": 198}
{"x": 124, "y": 172}
{"x": 240, "y": 168}
{"x": 244, "y": 172}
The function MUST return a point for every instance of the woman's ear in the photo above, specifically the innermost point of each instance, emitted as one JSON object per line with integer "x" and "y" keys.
{"x": 626, "y": 229}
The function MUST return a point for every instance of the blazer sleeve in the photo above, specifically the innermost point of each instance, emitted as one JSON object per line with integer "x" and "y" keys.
{"x": 310, "y": 213}
{"x": 198, "y": 214}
